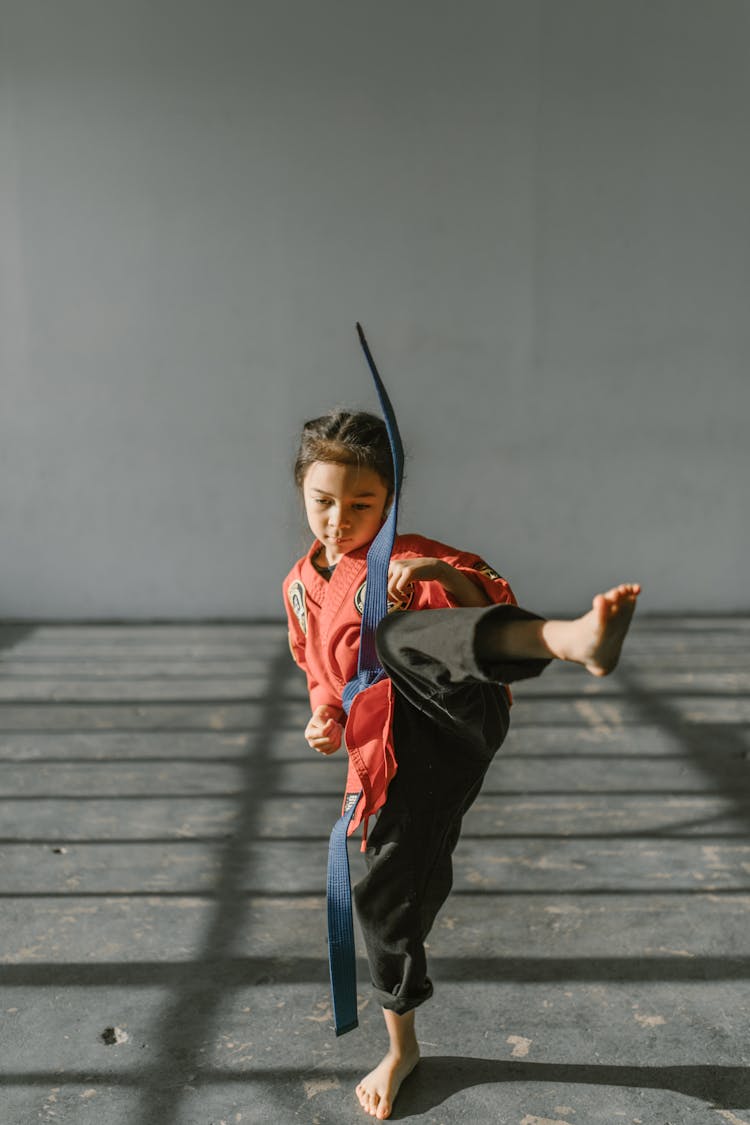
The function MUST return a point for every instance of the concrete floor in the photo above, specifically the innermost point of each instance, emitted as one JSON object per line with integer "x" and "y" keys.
{"x": 163, "y": 841}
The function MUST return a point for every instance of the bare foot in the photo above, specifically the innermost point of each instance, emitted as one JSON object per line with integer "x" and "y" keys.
{"x": 604, "y": 627}
{"x": 377, "y": 1092}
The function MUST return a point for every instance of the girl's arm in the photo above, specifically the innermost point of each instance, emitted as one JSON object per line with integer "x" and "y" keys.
{"x": 324, "y": 731}
{"x": 404, "y": 572}
{"x": 460, "y": 586}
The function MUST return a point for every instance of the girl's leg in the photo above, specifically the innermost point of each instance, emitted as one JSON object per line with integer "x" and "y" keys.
{"x": 429, "y": 654}
{"x": 593, "y": 640}
{"x": 377, "y": 1092}
{"x": 409, "y": 862}
{"x": 447, "y": 726}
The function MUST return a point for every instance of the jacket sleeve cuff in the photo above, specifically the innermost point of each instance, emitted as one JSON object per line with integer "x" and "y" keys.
{"x": 321, "y": 697}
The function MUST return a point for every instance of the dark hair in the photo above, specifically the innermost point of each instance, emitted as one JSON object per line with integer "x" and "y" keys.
{"x": 346, "y": 437}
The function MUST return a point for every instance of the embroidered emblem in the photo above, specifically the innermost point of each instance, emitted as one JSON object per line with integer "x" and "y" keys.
{"x": 488, "y": 572}
{"x": 296, "y": 595}
{"x": 402, "y": 603}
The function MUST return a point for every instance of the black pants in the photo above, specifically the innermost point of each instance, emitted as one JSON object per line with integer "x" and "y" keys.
{"x": 450, "y": 717}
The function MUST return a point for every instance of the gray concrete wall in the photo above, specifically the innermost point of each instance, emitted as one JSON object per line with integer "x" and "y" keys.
{"x": 538, "y": 210}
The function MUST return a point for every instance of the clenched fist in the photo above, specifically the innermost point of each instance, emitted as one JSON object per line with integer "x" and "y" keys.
{"x": 324, "y": 731}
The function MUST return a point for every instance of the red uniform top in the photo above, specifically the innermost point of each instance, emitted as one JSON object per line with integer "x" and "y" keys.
{"x": 324, "y": 625}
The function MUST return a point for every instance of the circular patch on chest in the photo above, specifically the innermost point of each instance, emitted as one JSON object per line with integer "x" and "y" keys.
{"x": 402, "y": 603}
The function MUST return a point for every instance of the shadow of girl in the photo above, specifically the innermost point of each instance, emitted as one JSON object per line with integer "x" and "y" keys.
{"x": 437, "y": 1078}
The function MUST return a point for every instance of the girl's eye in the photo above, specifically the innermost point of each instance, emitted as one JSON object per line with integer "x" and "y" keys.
{"x": 322, "y": 502}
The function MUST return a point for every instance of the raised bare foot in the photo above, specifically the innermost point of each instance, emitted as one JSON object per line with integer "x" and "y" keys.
{"x": 604, "y": 627}
{"x": 377, "y": 1092}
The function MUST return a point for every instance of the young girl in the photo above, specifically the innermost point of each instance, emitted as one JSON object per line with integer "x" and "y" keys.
{"x": 437, "y": 719}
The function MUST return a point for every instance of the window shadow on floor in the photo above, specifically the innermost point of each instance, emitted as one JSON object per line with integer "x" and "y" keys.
{"x": 12, "y": 635}
{"x": 200, "y": 988}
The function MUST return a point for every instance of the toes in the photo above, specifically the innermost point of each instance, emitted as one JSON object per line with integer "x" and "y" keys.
{"x": 618, "y": 597}
{"x": 372, "y": 1103}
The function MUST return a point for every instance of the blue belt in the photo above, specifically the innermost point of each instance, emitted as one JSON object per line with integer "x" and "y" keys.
{"x": 341, "y": 955}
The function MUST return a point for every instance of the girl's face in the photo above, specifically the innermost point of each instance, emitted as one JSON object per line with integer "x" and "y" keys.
{"x": 345, "y": 506}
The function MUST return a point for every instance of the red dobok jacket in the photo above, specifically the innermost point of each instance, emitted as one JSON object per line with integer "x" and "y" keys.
{"x": 324, "y": 625}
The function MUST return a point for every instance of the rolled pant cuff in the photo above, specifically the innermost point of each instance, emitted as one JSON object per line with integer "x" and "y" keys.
{"x": 402, "y": 1004}
{"x": 505, "y": 671}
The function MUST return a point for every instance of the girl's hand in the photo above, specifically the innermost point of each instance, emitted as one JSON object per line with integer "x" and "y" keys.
{"x": 324, "y": 732}
{"x": 403, "y": 573}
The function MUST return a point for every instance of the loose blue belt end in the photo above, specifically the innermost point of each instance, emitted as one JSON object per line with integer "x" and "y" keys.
{"x": 342, "y": 961}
